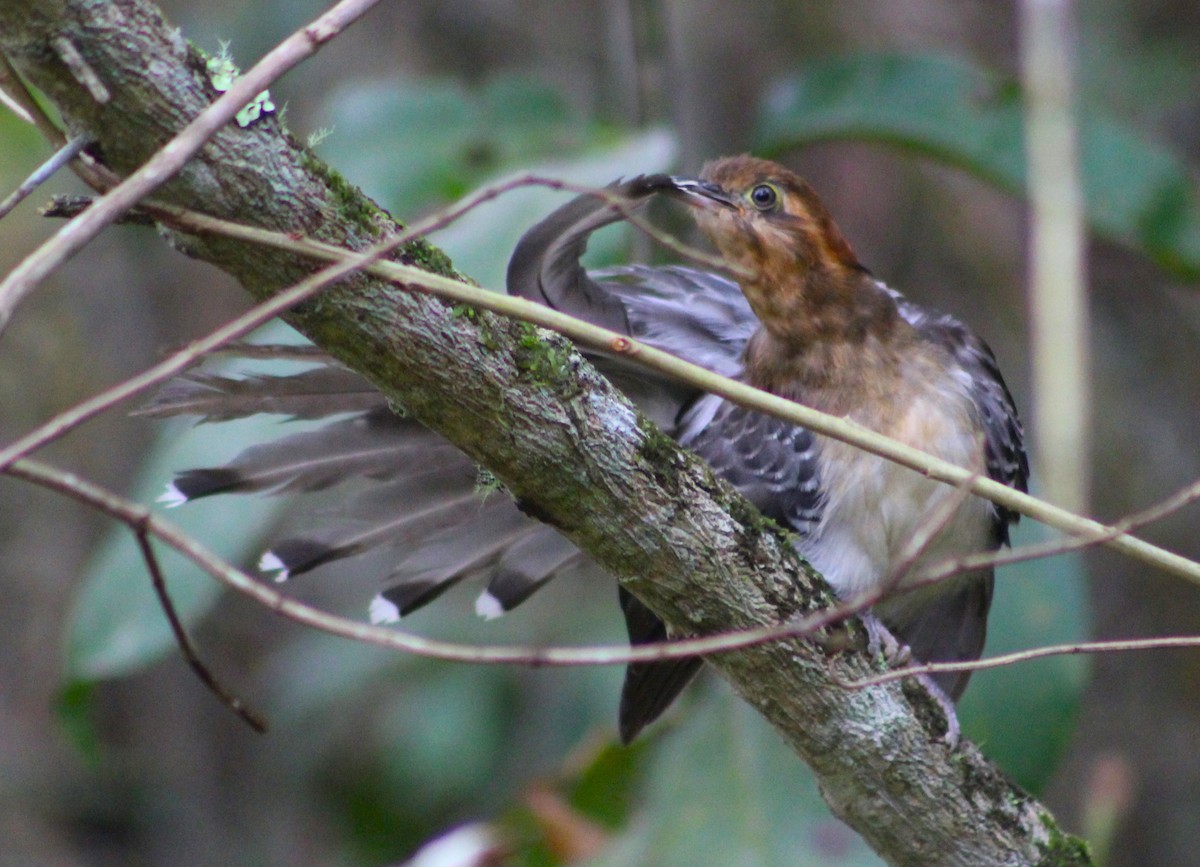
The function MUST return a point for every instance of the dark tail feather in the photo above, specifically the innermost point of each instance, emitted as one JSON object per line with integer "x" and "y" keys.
{"x": 539, "y": 555}
{"x": 317, "y": 393}
{"x": 372, "y": 444}
{"x": 649, "y": 687}
{"x": 389, "y": 517}
{"x": 295, "y": 556}
{"x": 445, "y": 558}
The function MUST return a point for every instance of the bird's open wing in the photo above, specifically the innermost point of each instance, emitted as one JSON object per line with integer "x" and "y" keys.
{"x": 696, "y": 315}
{"x": 702, "y": 318}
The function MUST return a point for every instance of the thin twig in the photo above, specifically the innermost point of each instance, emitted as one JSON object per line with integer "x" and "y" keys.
{"x": 14, "y": 106}
{"x": 344, "y": 263}
{"x": 252, "y": 718}
{"x": 1117, "y": 646}
{"x": 1185, "y": 496}
{"x": 170, "y": 158}
{"x": 894, "y": 583}
{"x": 150, "y": 211}
{"x": 80, "y": 69}
{"x": 927, "y": 532}
{"x": 142, "y": 521}
{"x": 61, "y": 157}
{"x": 64, "y": 422}
{"x": 98, "y": 177}
{"x": 192, "y": 221}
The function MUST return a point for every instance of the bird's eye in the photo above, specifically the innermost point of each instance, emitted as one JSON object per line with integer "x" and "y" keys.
{"x": 764, "y": 196}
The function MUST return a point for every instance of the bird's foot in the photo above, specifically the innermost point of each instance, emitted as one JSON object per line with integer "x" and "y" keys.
{"x": 881, "y": 642}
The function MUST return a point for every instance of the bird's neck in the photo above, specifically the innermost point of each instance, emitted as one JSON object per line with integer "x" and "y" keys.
{"x": 831, "y": 334}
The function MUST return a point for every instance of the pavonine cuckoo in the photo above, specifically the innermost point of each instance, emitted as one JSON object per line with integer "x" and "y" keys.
{"x": 807, "y": 322}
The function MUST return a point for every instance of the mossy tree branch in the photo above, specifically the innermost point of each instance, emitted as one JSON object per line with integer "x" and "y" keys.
{"x": 569, "y": 447}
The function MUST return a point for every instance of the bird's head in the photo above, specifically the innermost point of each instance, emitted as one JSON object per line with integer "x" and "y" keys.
{"x": 764, "y": 217}
{"x": 766, "y": 220}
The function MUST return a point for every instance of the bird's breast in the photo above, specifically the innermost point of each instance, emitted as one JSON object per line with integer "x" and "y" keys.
{"x": 875, "y": 511}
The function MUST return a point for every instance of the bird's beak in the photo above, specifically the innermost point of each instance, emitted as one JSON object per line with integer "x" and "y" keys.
{"x": 692, "y": 191}
{"x": 698, "y": 193}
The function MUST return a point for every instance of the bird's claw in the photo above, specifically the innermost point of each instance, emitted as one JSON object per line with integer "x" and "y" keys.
{"x": 881, "y": 642}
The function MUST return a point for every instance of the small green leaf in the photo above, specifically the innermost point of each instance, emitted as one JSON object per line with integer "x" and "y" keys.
{"x": 603, "y": 791}
{"x": 222, "y": 72}
{"x": 261, "y": 105}
{"x": 1137, "y": 192}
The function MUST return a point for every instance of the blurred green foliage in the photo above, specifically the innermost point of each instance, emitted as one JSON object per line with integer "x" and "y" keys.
{"x": 1023, "y": 715}
{"x": 415, "y": 143}
{"x": 722, "y": 788}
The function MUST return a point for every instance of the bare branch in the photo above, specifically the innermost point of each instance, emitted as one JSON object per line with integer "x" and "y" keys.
{"x": 586, "y": 334}
{"x": 1185, "y": 496}
{"x": 145, "y": 523}
{"x": 598, "y": 338}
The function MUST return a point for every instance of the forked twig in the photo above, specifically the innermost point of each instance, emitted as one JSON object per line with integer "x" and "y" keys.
{"x": 202, "y": 671}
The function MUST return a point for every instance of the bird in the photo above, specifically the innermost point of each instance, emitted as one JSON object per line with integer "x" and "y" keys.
{"x": 801, "y": 318}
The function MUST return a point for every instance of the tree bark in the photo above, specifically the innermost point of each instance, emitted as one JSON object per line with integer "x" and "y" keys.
{"x": 567, "y": 445}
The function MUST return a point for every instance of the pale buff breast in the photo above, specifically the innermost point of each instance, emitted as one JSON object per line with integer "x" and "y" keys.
{"x": 874, "y": 508}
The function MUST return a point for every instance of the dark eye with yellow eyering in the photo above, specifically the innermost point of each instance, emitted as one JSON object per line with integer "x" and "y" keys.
{"x": 764, "y": 197}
